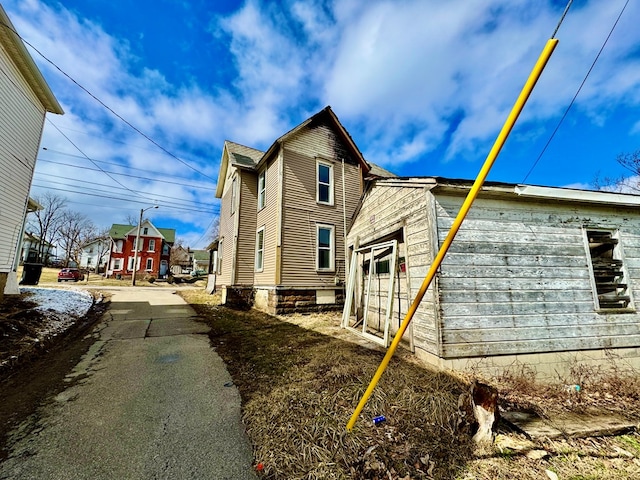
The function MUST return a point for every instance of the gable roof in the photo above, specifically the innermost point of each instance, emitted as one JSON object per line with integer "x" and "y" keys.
{"x": 327, "y": 114}
{"x": 249, "y": 158}
{"x": 14, "y": 46}
{"x": 201, "y": 255}
{"x": 119, "y": 231}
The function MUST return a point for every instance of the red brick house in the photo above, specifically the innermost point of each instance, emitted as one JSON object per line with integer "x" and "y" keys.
{"x": 153, "y": 252}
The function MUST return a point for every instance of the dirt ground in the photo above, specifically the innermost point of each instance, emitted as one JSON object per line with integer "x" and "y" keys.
{"x": 301, "y": 377}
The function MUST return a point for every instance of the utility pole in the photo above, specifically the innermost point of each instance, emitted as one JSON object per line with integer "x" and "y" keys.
{"x": 135, "y": 246}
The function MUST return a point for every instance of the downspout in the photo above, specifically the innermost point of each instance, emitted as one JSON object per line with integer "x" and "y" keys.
{"x": 344, "y": 231}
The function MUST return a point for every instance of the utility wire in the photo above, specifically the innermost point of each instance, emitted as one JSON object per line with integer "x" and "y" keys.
{"x": 111, "y": 197}
{"x": 87, "y": 157}
{"x": 566, "y": 112}
{"x": 106, "y": 106}
{"x": 146, "y": 170}
{"x": 88, "y": 186}
{"x": 124, "y": 174}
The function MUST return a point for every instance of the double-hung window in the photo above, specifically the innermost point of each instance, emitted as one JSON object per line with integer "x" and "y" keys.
{"x": 149, "y": 264}
{"x": 324, "y": 187}
{"x": 325, "y": 250}
{"x": 152, "y": 245}
{"x": 260, "y": 249}
{"x": 262, "y": 189}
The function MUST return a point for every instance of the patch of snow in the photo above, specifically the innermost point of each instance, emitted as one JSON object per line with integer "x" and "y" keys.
{"x": 62, "y": 308}
{"x": 70, "y": 302}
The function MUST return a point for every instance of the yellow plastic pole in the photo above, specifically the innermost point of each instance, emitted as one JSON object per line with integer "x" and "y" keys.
{"x": 473, "y": 193}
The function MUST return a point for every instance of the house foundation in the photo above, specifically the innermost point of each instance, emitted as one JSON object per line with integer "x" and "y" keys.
{"x": 280, "y": 301}
{"x": 553, "y": 366}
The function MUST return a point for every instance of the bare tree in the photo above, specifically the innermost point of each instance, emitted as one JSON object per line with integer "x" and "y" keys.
{"x": 75, "y": 231}
{"x": 214, "y": 229}
{"x": 46, "y": 223}
{"x": 622, "y": 183}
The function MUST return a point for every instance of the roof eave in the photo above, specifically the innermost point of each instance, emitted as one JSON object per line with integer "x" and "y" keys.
{"x": 23, "y": 60}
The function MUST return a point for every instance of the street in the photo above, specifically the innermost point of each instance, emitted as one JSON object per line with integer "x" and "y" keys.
{"x": 149, "y": 400}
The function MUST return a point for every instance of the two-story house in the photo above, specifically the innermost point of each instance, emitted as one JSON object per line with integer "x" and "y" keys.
{"x": 25, "y": 99}
{"x": 154, "y": 250}
{"x": 284, "y": 216}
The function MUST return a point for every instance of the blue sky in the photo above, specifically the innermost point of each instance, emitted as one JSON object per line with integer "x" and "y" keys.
{"x": 423, "y": 87}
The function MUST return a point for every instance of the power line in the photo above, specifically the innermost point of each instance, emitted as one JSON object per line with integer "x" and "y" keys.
{"x": 105, "y": 106}
{"x": 152, "y": 197}
{"x": 57, "y": 152}
{"x": 85, "y": 183}
{"x": 111, "y": 197}
{"x": 125, "y": 175}
{"x": 566, "y": 112}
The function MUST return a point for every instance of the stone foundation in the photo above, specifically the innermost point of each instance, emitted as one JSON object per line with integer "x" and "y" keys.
{"x": 282, "y": 301}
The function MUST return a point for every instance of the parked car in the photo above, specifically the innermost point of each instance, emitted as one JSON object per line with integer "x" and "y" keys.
{"x": 67, "y": 274}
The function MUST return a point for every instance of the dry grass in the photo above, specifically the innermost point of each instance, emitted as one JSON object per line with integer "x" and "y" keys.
{"x": 300, "y": 380}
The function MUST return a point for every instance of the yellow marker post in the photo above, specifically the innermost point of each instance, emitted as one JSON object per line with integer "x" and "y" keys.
{"x": 473, "y": 193}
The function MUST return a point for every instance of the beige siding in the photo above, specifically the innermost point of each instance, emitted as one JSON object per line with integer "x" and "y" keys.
{"x": 301, "y": 212}
{"x": 405, "y": 207}
{"x": 268, "y": 217}
{"x": 245, "y": 261}
{"x": 227, "y": 233}
{"x": 516, "y": 279}
{"x": 21, "y": 121}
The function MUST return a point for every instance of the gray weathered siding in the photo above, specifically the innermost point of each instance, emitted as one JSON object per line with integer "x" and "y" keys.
{"x": 301, "y": 212}
{"x": 21, "y": 121}
{"x": 395, "y": 205}
{"x": 516, "y": 278}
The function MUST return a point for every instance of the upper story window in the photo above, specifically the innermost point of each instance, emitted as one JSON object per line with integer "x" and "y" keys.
{"x": 262, "y": 189}
{"x": 608, "y": 272}
{"x": 145, "y": 231}
{"x": 152, "y": 245}
{"x": 325, "y": 251}
{"x": 260, "y": 249}
{"x": 324, "y": 187}
{"x": 117, "y": 246}
{"x": 234, "y": 193}
{"x": 165, "y": 249}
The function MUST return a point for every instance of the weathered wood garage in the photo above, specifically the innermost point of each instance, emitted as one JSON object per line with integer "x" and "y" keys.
{"x": 537, "y": 275}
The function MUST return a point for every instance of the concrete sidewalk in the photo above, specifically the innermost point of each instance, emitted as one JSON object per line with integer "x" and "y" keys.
{"x": 151, "y": 400}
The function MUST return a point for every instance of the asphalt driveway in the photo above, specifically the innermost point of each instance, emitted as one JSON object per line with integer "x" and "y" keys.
{"x": 150, "y": 400}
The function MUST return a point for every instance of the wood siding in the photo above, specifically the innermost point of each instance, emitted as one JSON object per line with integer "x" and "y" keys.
{"x": 268, "y": 218}
{"x": 227, "y": 233}
{"x": 248, "y": 204}
{"x": 517, "y": 280}
{"x": 301, "y": 213}
{"x": 405, "y": 207}
{"x": 21, "y": 122}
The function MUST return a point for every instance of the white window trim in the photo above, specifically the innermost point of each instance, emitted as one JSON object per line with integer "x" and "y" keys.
{"x": 219, "y": 266}
{"x": 262, "y": 191}
{"x": 117, "y": 264}
{"x": 149, "y": 268}
{"x": 260, "y": 268}
{"x": 331, "y": 183}
{"x": 332, "y": 248}
{"x": 152, "y": 241}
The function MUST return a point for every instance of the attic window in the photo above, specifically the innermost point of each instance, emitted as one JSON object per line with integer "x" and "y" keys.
{"x": 607, "y": 269}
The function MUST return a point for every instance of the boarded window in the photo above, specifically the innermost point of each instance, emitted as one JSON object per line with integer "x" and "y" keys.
{"x": 607, "y": 268}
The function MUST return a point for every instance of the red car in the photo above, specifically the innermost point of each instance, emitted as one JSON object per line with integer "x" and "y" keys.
{"x": 67, "y": 274}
